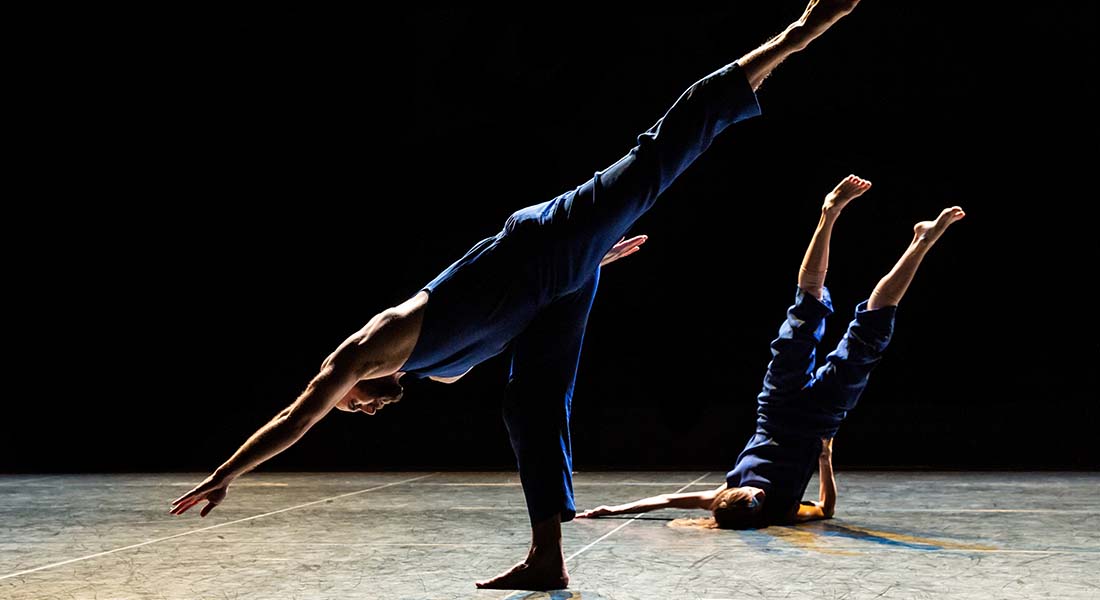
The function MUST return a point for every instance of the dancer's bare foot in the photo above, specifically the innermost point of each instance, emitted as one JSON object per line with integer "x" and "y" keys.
{"x": 849, "y": 188}
{"x": 819, "y": 16}
{"x": 539, "y": 574}
{"x": 930, "y": 231}
{"x": 815, "y": 20}
{"x": 544, "y": 567}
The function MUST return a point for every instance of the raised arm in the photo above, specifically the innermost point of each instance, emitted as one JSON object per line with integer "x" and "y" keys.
{"x": 825, "y": 505}
{"x": 700, "y": 500}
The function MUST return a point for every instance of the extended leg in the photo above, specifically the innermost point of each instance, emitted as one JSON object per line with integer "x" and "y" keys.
{"x": 601, "y": 210}
{"x": 815, "y": 264}
{"x": 841, "y": 381}
{"x": 794, "y": 350}
{"x": 815, "y": 20}
{"x": 892, "y": 287}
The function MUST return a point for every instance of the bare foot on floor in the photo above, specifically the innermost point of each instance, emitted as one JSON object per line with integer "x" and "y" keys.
{"x": 930, "y": 231}
{"x": 849, "y": 188}
{"x": 531, "y": 574}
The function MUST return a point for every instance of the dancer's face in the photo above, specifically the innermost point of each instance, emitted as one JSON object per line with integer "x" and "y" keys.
{"x": 370, "y": 395}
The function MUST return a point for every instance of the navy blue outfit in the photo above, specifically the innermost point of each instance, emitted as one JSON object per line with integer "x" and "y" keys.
{"x": 530, "y": 287}
{"x": 800, "y": 405}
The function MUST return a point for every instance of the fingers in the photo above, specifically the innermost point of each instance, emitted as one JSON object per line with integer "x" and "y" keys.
{"x": 184, "y": 506}
{"x": 210, "y": 505}
{"x": 212, "y": 494}
{"x": 184, "y": 498}
{"x": 632, "y": 244}
{"x": 185, "y": 503}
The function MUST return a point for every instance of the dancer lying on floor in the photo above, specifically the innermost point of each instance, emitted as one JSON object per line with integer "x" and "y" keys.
{"x": 802, "y": 405}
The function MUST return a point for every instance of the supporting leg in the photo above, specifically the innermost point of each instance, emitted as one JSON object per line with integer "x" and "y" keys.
{"x": 537, "y": 406}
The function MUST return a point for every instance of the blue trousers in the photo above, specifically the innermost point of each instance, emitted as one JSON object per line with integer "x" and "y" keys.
{"x": 530, "y": 287}
{"x": 802, "y": 399}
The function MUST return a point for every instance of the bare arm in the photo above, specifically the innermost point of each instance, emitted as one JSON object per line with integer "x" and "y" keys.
{"x": 826, "y": 503}
{"x": 377, "y": 350}
{"x": 277, "y": 435}
{"x": 701, "y": 500}
{"x": 289, "y": 425}
{"x": 827, "y": 493}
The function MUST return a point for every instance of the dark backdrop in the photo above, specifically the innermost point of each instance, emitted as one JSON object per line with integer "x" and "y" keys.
{"x": 215, "y": 201}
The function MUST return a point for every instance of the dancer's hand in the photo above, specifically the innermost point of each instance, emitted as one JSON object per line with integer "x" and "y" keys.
{"x": 213, "y": 490}
{"x": 599, "y": 511}
{"x": 624, "y": 248}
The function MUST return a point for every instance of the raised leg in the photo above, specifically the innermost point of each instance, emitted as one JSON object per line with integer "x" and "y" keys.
{"x": 815, "y": 264}
{"x": 601, "y": 211}
{"x": 841, "y": 380}
{"x": 818, "y": 17}
{"x": 892, "y": 287}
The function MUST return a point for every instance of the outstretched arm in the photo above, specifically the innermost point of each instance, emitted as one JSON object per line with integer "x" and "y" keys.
{"x": 277, "y": 435}
{"x": 701, "y": 500}
{"x": 826, "y": 503}
{"x": 375, "y": 351}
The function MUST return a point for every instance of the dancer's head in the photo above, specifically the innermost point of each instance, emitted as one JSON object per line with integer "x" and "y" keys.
{"x": 739, "y": 508}
{"x": 370, "y": 395}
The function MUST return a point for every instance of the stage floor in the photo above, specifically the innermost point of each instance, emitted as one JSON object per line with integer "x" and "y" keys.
{"x": 431, "y": 535}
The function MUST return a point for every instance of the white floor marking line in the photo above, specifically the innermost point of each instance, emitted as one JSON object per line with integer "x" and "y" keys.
{"x": 1068, "y": 511}
{"x": 11, "y": 479}
{"x": 170, "y": 537}
{"x": 513, "y": 595}
{"x": 631, "y": 520}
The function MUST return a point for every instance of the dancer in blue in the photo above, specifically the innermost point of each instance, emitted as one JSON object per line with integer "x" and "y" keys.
{"x": 528, "y": 290}
{"x": 802, "y": 404}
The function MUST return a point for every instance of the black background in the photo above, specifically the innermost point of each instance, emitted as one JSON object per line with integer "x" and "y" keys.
{"x": 209, "y": 203}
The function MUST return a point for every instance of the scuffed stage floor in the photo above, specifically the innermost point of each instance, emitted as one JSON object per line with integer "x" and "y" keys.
{"x": 425, "y": 535}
